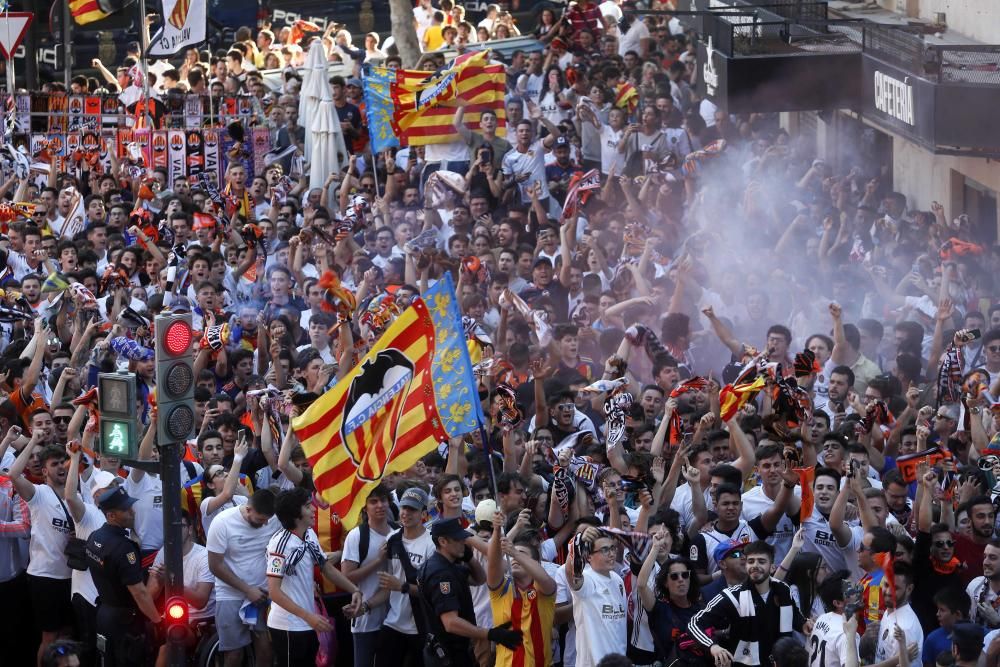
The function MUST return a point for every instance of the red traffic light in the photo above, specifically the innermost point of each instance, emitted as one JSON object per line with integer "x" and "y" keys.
{"x": 177, "y": 610}
{"x": 177, "y": 338}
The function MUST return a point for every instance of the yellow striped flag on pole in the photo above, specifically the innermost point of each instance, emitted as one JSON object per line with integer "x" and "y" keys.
{"x": 413, "y": 390}
{"x": 424, "y": 103}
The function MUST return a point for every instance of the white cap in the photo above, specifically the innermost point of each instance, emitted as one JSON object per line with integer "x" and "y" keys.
{"x": 102, "y": 479}
{"x": 485, "y": 510}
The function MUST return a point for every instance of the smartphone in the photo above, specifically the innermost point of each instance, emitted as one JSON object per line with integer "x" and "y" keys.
{"x": 971, "y": 335}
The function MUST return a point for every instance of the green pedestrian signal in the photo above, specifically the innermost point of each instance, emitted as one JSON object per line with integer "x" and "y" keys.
{"x": 119, "y": 429}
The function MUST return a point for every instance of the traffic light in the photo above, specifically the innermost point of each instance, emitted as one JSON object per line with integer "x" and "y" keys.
{"x": 174, "y": 378}
{"x": 116, "y": 400}
{"x": 176, "y": 618}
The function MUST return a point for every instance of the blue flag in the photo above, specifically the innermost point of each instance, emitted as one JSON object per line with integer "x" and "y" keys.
{"x": 379, "y": 107}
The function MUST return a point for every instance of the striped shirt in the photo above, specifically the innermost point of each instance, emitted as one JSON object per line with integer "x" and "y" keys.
{"x": 531, "y": 612}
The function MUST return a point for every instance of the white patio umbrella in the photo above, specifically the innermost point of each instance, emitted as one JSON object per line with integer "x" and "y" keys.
{"x": 324, "y": 137}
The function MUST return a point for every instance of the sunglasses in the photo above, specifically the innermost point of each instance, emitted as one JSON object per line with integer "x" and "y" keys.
{"x": 944, "y": 544}
{"x": 675, "y": 576}
{"x": 734, "y": 554}
{"x": 62, "y": 420}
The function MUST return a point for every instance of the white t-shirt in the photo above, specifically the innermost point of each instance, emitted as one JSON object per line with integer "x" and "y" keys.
{"x": 632, "y": 39}
{"x": 291, "y": 559}
{"x": 243, "y": 548}
{"x": 82, "y": 582}
{"x": 51, "y": 527}
{"x": 531, "y": 162}
{"x": 206, "y": 518}
{"x": 887, "y": 645}
{"x": 563, "y": 597}
{"x": 148, "y": 511}
{"x": 610, "y": 157}
{"x": 755, "y": 503}
{"x": 369, "y": 585}
{"x": 821, "y": 540}
{"x": 400, "y": 615}
{"x": 828, "y": 644}
{"x": 682, "y": 504}
{"x": 600, "y": 616}
{"x": 196, "y": 571}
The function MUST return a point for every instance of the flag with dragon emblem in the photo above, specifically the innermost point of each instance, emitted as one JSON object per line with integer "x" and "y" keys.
{"x": 413, "y": 390}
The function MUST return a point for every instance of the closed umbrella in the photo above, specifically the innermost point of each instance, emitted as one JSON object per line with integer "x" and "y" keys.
{"x": 324, "y": 144}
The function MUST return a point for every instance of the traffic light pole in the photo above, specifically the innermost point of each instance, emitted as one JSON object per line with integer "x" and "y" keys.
{"x": 173, "y": 525}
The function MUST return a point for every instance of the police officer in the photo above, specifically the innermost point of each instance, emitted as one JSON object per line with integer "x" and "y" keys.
{"x": 444, "y": 583}
{"x": 122, "y": 598}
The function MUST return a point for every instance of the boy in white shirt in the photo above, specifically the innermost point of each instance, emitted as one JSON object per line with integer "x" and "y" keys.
{"x": 291, "y": 555}
{"x": 599, "y": 600}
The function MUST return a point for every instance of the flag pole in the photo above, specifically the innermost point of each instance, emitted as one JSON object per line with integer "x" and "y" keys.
{"x": 144, "y": 36}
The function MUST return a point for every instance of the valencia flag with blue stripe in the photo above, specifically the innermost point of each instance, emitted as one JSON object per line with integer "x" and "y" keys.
{"x": 413, "y": 390}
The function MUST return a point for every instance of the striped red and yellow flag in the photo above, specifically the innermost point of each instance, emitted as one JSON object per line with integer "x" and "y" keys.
{"x": 413, "y": 390}
{"x": 86, "y": 11}
{"x": 627, "y": 97}
{"x": 424, "y": 103}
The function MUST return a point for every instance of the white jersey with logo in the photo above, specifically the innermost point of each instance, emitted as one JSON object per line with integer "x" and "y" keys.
{"x": 51, "y": 528}
{"x": 827, "y": 645}
{"x": 819, "y": 538}
{"x": 755, "y": 503}
{"x": 243, "y": 549}
{"x": 400, "y": 617}
{"x": 681, "y": 504}
{"x": 599, "y": 611}
{"x": 704, "y": 543}
{"x": 887, "y": 644}
{"x": 291, "y": 559}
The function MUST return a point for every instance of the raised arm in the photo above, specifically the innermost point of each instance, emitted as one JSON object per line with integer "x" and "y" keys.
{"x": 232, "y": 479}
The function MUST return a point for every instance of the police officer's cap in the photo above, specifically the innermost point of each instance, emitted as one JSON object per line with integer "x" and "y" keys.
{"x": 115, "y": 499}
{"x": 450, "y": 528}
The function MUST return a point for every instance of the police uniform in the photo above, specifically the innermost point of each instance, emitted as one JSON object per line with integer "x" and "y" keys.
{"x": 445, "y": 587}
{"x": 115, "y": 565}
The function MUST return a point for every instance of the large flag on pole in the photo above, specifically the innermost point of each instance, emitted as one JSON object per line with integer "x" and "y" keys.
{"x": 420, "y": 106}
{"x": 379, "y": 107}
{"x": 184, "y": 25}
{"x": 412, "y": 391}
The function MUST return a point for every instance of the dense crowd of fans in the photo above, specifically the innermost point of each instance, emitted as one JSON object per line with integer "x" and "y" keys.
{"x": 740, "y": 400}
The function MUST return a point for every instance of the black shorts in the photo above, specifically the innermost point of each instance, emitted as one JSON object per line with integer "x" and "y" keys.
{"x": 51, "y": 603}
{"x": 294, "y": 647}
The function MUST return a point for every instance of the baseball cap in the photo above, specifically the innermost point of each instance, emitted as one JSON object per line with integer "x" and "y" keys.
{"x": 485, "y": 511}
{"x": 561, "y": 141}
{"x": 354, "y": 82}
{"x": 450, "y": 528}
{"x": 415, "y": 499}
{"x": 102, "y": 479}
{"x": 115, "y": 499}
{"x": 724, "y": 549}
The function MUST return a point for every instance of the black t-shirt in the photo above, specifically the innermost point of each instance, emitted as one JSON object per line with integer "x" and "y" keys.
{"x": 114, "y": 565}
{"x": 445, "y": 585}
